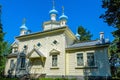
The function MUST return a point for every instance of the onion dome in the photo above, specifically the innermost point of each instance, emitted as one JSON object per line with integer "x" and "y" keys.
{"x": 23, "y": 25}
{"x": 53, "y": 11}
{"x": 77, "y": 36}
{"x": 107, "y": 41}
{"x": 63, "y": 16}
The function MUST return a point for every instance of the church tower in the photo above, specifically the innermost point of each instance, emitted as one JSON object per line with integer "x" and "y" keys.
{"x": 52, "y": 23}
{"x": 23, "y": 28}
{"x": 63, "y": 18}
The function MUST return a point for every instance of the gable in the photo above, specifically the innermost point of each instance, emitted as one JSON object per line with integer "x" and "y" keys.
{"x": 54, "y": 51}
{"x": 15, "y": 45}
{"x": 35, "y": 54}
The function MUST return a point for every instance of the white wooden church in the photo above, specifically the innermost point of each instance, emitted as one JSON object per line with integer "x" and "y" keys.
{"x": 56, "y": 52}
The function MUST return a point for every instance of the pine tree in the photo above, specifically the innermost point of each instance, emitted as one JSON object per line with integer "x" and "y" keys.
{"x": 112, "y": 18}
{"x": 2, "y": 47}
{"x": 84, "y": 34}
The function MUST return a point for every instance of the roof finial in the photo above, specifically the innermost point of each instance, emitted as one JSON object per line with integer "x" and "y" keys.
{"x": 62, "y": 9}
{"x": 24, "y": 21}
{"x": 53, "y": 4}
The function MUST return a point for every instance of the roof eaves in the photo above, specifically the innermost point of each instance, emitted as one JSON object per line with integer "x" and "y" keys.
{"x": 42, "y": 32}
{"x": 87, "y": 47}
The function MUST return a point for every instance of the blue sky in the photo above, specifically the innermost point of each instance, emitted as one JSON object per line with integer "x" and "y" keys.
{"x": 79, "y": 12}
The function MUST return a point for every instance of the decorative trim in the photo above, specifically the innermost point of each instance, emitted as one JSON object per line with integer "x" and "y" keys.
{"x": 54, "y": 68}
{"x": 51, "y": 22}
{"x": 22, "y": 69}
{"x": 54, "y": 51}
{"x": 86, "y": 67}
{"x": 37, "y": 51}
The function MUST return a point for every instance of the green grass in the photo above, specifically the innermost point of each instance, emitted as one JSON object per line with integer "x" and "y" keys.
{"x": 39, "y": 79}
{"x": 8, "y": 79}
{"x": 55, "y": 79}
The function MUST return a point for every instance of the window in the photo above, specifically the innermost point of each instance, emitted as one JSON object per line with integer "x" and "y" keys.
{"x": 38, "y": 44}
{"x": 12, "y": 64}
{"x": 55, "y": 42}
{"x": 90, "y": 59}
{"x": 15, "y": 49}
{"x": 22, "y": 62}
{"x": 54, "y": 60}
{"x": 25, "y": 46}
{"x": 80, "y": 59}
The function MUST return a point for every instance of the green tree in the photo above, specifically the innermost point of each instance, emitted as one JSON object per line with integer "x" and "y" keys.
{"x": 112, "y": 18}
{"x": 85, "y": 35}
{"x": 4, "y": 47}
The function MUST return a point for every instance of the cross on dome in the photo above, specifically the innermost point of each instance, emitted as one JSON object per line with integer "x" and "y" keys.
{"x": 63, "y": 16}
{"x": 53, "y": 4}
{"x": 24, "y": 21}
{"x": 23, "y": 24}
{"x": 53, "y": 11}
{"x": 63, "y": 10}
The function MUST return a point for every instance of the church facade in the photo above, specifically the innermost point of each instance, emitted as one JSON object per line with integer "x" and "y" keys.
{"x": 57, "y": 52}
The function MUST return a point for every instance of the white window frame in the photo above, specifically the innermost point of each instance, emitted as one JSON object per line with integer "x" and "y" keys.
{"x": 82, "y": 63}
{"x": 87, "y": 58}
{"x": 23, "y": 62}
{"x": 54, "y": 60}
{"x": 12, "y": 64}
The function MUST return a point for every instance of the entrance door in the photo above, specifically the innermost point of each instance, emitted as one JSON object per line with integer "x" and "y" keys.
{"x": 36, "y": 66}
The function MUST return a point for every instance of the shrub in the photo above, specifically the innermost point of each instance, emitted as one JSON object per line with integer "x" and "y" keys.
{"x": 56, "y": 79}
{"x": 8, "y": 79}
{"x": 118, "y": 74}
{"x": 46, "y": 79}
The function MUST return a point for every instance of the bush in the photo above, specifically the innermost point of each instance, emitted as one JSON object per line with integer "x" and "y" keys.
{"x": 56, "y": 79}
{"x": 115, "y": 78}
{"x": 8, "y": 79}
{"x": 118, "y": 74}
{"x": 46, "y": 79}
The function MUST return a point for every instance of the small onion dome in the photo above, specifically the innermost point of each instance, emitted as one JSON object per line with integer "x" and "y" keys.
{"x": 53, "y": 11}
{"x": 23, "y": 27}
{"x": 77, "y": 35}
{"x": 107, "y": 41}
{"x": 63, "y": 17}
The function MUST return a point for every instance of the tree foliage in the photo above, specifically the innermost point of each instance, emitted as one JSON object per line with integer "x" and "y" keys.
{"x": 112, "y": 13}
{"x": 4, "y": 47}
{"x": 84, "y": 34}
{"x": 112, "y": 18}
